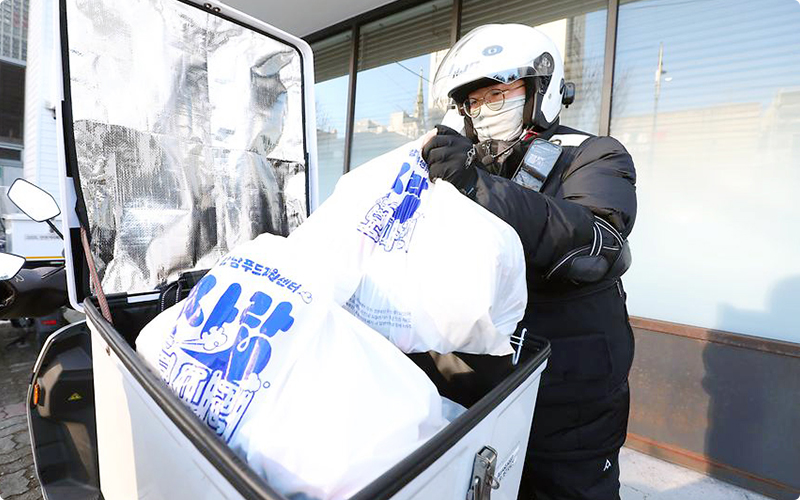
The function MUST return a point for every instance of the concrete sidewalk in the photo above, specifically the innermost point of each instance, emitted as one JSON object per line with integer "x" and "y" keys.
{"x": 646, "y": 478}
{"x": 17, "y": 355}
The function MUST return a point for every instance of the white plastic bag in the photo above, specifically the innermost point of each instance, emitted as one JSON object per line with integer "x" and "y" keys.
{"x": 314, "y": 400}
{"x": 424, "y": 265}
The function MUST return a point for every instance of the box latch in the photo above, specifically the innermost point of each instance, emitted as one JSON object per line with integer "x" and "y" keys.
{"x": 483, "y": 480}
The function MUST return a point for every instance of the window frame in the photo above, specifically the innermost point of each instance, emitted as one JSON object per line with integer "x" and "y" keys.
{"x": 354, "y": 25}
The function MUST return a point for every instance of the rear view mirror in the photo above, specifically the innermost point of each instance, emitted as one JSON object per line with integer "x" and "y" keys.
{"x": 10, "y": 265}
{"x": 34, "y": 201}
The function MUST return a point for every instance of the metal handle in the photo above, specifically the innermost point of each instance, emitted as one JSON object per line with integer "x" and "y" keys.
{"x": 482, "y": 481}
{"x": 517, "y": 341}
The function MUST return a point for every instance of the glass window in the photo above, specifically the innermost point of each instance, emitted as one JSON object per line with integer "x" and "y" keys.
{"x": 12, "y": 102}
{"x": 10, "y": 154}
{"x": 9, "y": 172}
{"x": 578, "y": 28}
{"x": 331, "y": 66}
{"x": 707, "y": 100}
{"x": 13, "y": 29}
{"x": 398, "y": 56}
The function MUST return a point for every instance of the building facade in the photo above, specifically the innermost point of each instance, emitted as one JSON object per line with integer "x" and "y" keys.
{"x": 13, "y": 56}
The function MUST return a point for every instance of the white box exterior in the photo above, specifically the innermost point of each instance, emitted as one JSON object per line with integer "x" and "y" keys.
{"x": 139, "y": 446}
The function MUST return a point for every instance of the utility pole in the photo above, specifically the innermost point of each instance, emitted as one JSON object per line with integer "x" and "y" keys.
{"x": 419, "y": 109}
{"x": 660, "y": 71}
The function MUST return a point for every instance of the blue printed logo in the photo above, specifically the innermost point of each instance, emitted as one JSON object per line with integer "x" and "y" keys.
{"x": 492, "y": 50}
{"x": 391, "y": 221}
{"x": 219, "y": 386}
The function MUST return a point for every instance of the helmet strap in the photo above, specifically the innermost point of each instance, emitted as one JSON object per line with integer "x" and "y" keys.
{"x": 533, "y": 105}
{"x": 532, "y": 102}
{"x": 469, "y": 130}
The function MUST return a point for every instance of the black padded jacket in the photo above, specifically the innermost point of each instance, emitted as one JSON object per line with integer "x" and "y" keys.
{"x": 594, "y": 176}
{"x": 582, "y": 405}
{"x": 582, "y": 408}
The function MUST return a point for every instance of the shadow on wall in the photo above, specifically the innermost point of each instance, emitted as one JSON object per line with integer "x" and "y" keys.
{"x": 754, "y": 398}
{"x": 782, "y": 314}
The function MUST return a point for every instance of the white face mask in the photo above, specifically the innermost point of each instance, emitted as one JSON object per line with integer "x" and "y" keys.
{"x": 503, "y": 125}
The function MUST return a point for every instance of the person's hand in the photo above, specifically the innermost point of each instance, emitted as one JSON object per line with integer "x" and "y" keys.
{"x": 448, "y": 157}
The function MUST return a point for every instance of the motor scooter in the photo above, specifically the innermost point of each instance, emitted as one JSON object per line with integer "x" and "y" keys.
{"x": 35, "y": 294}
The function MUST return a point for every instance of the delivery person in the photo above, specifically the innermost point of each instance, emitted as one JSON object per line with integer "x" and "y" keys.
{"x": 571, "y": 198}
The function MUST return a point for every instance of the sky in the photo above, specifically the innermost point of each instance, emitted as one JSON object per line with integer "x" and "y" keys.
{"x": 715, "y": 52}
{"x": 380, "y": 91}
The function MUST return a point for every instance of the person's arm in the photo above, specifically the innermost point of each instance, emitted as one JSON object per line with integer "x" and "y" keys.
{"x": 563, "y": 236}
{"x": 598, "y": 184}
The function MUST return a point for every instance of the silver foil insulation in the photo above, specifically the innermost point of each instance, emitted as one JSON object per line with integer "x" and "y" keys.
{"x": 189, "y": 136}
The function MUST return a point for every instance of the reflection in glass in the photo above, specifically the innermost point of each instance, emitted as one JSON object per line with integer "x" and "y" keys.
{"x": 398, "y": 58}
{"x": 34, "y": 201}
{"x": 10, "y": 265}
{"x": 14, "y": 29}
{"x": 331, "y": 61}
{"x": 578, "y": 29}
{"x": 12, "y": 103}
{"x": 331, "y": 129}
{"x": 712, "y": 119}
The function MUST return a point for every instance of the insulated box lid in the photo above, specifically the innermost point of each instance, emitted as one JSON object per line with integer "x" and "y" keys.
{"x": 188, "y": 128}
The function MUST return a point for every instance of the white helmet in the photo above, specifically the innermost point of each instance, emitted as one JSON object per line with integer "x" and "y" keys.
{"x": 504, "y": 53}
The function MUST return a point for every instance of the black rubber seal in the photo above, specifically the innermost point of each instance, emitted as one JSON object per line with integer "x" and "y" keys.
{"x": 393, "y": 480}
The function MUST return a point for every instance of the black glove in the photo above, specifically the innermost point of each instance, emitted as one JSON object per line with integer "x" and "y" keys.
{"x": 449, "y": 156}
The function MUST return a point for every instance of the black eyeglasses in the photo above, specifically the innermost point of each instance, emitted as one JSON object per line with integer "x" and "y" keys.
{"x": 493, "y": 99}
